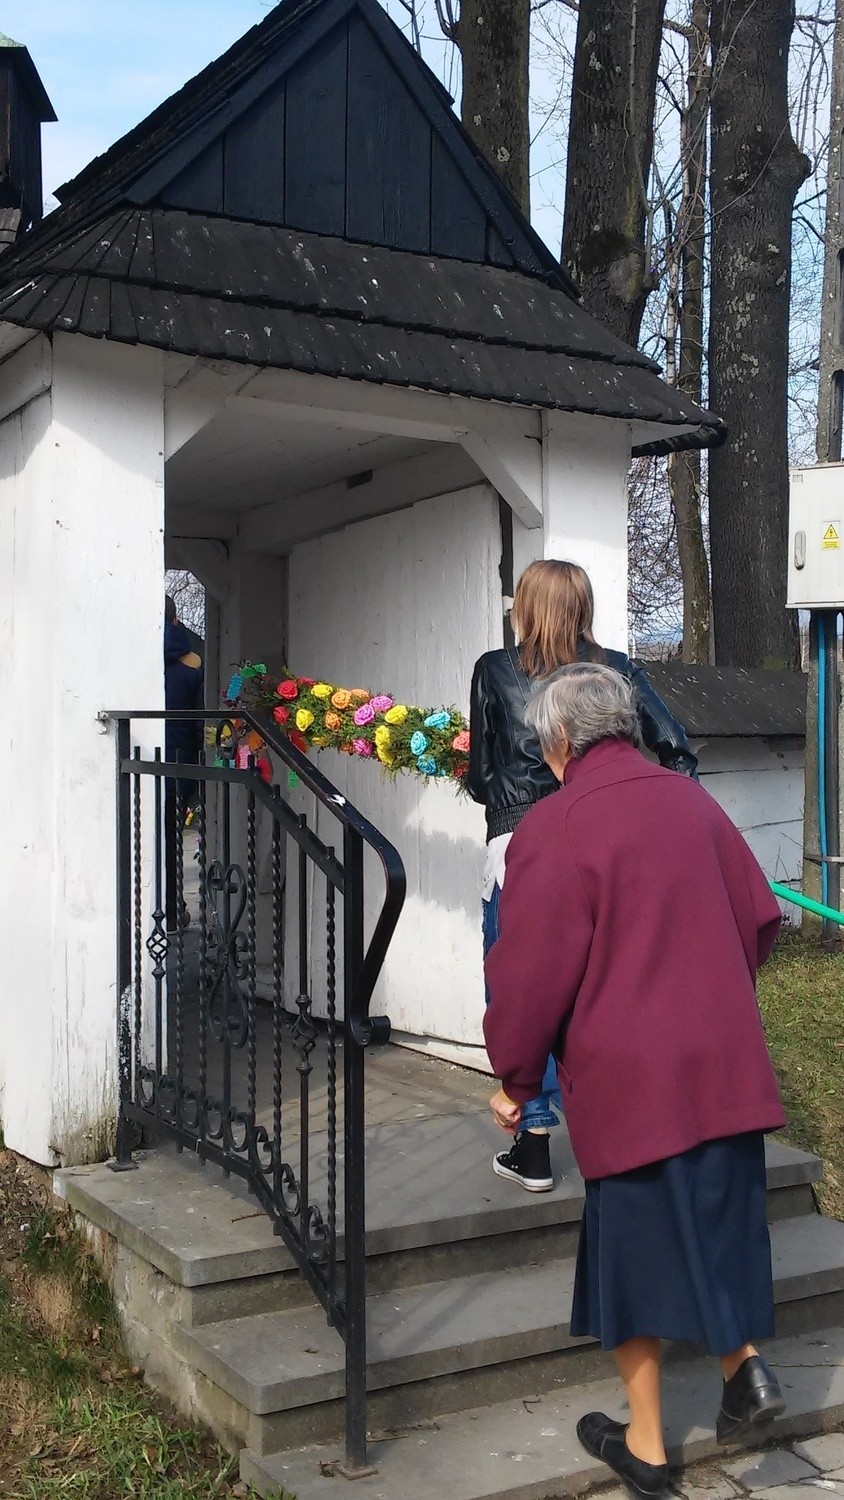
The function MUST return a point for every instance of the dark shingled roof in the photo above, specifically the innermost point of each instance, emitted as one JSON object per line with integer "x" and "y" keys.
{"x": 731, "y": 702}
{"x": 146, "y": 248}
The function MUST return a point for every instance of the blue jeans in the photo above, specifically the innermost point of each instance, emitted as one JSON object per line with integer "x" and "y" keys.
{"x": 538, "y": 1112}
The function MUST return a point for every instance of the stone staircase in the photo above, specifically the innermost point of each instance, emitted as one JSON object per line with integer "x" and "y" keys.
{"x": 475, "y": 1383}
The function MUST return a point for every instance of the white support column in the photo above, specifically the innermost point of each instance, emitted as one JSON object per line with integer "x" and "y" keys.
{"x": 81, "y": 564}
{"x": 585, "y": 461}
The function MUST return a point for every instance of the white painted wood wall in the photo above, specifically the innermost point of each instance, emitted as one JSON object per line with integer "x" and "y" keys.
{"x": 81, "y": 570}
{"x": 759, "y": 784}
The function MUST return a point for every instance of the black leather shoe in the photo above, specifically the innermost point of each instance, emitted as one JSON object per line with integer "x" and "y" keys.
{"x": 750, "y": 1399}
{"x": 607, "y": 1440}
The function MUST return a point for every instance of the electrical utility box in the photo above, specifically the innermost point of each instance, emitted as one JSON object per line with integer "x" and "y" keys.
{"x": 816, "y": 538}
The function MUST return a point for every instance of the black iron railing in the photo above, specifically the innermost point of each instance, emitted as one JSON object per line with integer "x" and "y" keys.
{"x": 244, "y": 985}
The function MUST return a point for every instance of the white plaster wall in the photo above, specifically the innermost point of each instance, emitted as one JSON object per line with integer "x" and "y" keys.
{"x": 405, "y": 603}
{"x": 81, "y": 564}
{"x": 584, "y": 504}
{"x": 759, "y": 784}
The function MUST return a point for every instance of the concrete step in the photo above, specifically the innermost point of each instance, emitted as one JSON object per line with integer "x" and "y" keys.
{"x": 434, "y": 1210}
{"x": 526, "y": 1449}
{"x": 459, "y": 1343}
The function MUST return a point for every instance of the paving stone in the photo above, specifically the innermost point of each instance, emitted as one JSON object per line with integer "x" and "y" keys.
{"x": 826, "y": 1452}
{"x": 709, "y": 1484}
{"x": 814, "y": 1490}
{"x": 765, "y": 1471}
{"x": 529, "y": 1450}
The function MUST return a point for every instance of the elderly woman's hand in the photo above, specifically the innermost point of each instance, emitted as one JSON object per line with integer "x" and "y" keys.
{"x": 505, "y": 1112}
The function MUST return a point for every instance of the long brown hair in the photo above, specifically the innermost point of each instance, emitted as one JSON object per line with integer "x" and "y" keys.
{"x": 553, "y": 609}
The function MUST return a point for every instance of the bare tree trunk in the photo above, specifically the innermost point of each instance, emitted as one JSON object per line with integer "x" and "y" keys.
{"x": 755, "y": 174}
{"x": 831, "y": 382}
{"x": 494, "y": 41}
{"x": 684, "y": 469}
{"x": 605, "y": 246}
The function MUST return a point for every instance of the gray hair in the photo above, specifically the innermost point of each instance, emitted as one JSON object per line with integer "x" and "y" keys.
{"x": 586, "y": 702}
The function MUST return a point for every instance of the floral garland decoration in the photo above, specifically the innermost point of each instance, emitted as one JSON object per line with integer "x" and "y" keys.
{"x": 431, "y": 743}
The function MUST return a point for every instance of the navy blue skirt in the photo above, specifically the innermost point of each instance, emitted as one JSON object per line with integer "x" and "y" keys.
{"x": 679, "y": 1250}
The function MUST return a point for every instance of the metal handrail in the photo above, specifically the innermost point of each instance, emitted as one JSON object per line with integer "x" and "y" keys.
{"x": 362, "y": 966}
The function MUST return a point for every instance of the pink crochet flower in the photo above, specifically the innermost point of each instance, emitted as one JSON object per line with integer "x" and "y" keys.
{"x": 381, "y": 703}
{"x": 364, "y": 715}
{"x": 461, "y": 741}
{"x": 362, "y": 747}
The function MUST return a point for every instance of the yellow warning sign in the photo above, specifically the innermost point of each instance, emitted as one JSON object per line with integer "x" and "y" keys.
{"x": 832, "y": 537}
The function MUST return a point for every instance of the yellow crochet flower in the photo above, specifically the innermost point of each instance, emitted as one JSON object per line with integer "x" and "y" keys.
{"x": 383, "y": 737}
{"x": 304, "y": 719}
{"x": 322, "y": 690}
{"x": 320, "y": 740}
{"x": 397, "y": 714}
{"x": 385, "y": 756}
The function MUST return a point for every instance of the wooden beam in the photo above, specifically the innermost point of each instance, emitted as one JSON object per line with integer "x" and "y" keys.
{"x": 506, "y": 444}
{"x": 298, "y": 518}
{"x": 25, "y": 374}
{"x": 197, "y": 398}
{"x": 321, "y": 401}
{"x": 207, "y": 560}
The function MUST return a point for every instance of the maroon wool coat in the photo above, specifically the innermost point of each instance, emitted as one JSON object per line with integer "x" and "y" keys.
{"x": 633, "y": 920}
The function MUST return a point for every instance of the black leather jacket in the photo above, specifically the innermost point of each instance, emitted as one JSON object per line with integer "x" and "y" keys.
{"x": 506, "y": 770}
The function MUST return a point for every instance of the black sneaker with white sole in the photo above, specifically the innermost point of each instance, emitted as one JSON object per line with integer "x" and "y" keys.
{"x": 527, "y": 1162}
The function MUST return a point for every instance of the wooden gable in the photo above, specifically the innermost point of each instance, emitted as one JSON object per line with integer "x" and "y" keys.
{"x": 344, "y": 131}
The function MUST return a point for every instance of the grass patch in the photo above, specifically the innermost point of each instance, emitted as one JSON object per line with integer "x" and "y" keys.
{"x": 801, "y": 992}
{"x": 75, "y": 1419}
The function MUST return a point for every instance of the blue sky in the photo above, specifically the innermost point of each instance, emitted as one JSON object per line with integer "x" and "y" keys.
{"x": 107, "y": 63}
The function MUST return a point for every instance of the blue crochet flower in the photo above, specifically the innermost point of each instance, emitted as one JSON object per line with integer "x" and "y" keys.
{"x": 427, "y": 765}
{"x": 438, "y": 721}
{"x": 418, "y": 743}
{"x": 234, "y": 689}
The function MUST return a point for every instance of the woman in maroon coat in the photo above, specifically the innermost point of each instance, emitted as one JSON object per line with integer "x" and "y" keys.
{"x": 633, "y": 920}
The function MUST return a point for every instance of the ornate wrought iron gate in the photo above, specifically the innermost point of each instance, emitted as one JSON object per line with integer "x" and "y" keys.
{"x": 242, "y": 1023}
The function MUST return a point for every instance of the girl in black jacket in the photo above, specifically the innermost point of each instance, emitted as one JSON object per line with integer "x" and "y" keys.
{"x": 552, "y": 618}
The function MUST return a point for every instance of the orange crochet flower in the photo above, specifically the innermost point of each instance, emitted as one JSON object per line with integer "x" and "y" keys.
{"x": 359, "y": 695}
{"x": 332, "y": 721}
{"x": 341, "y": 699}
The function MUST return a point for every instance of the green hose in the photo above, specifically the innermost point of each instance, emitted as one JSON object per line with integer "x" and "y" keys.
{"x": 798, "y": 899}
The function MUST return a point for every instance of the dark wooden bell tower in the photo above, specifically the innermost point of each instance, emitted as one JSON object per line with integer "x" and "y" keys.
{"x": 24, "y": 107}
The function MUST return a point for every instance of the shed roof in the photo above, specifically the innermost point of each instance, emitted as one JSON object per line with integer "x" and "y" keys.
{"x": 732, "y": 702}
{"x": 311, "y": 202}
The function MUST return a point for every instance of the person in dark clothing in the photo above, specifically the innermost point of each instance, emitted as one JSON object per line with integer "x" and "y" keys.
{"x": 552, "y": 618}
{"x": 184, "y": 688}
{"x": 633, "y": 921}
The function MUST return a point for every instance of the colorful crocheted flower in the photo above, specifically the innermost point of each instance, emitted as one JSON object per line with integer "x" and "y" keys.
{"x": 383, "y": 737}
{"x": 333, "y": 721}
{"x": 341, "y": 699}
{"x": 397, "y": 714}
{"x": 364, "y": 715}
{"x": 288, "y": 689}
{"x": 281, "y": 714}
{"x": 304, "y": 719}
{"x": 427, "y": 765}
{"x": 382, "y": 703}
{"x": 385, "y": 756}
{"x": 322, "y": 690}
{"x": 438, "y": 721}
{"x": 362, "y": 747}
{"x": 418, "y": 743}
{"x": 461, "y": 742}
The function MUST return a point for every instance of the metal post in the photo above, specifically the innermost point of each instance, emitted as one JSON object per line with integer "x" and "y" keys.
{"x": 123, "y": 1146}
{"x": 356, "y": 1464}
